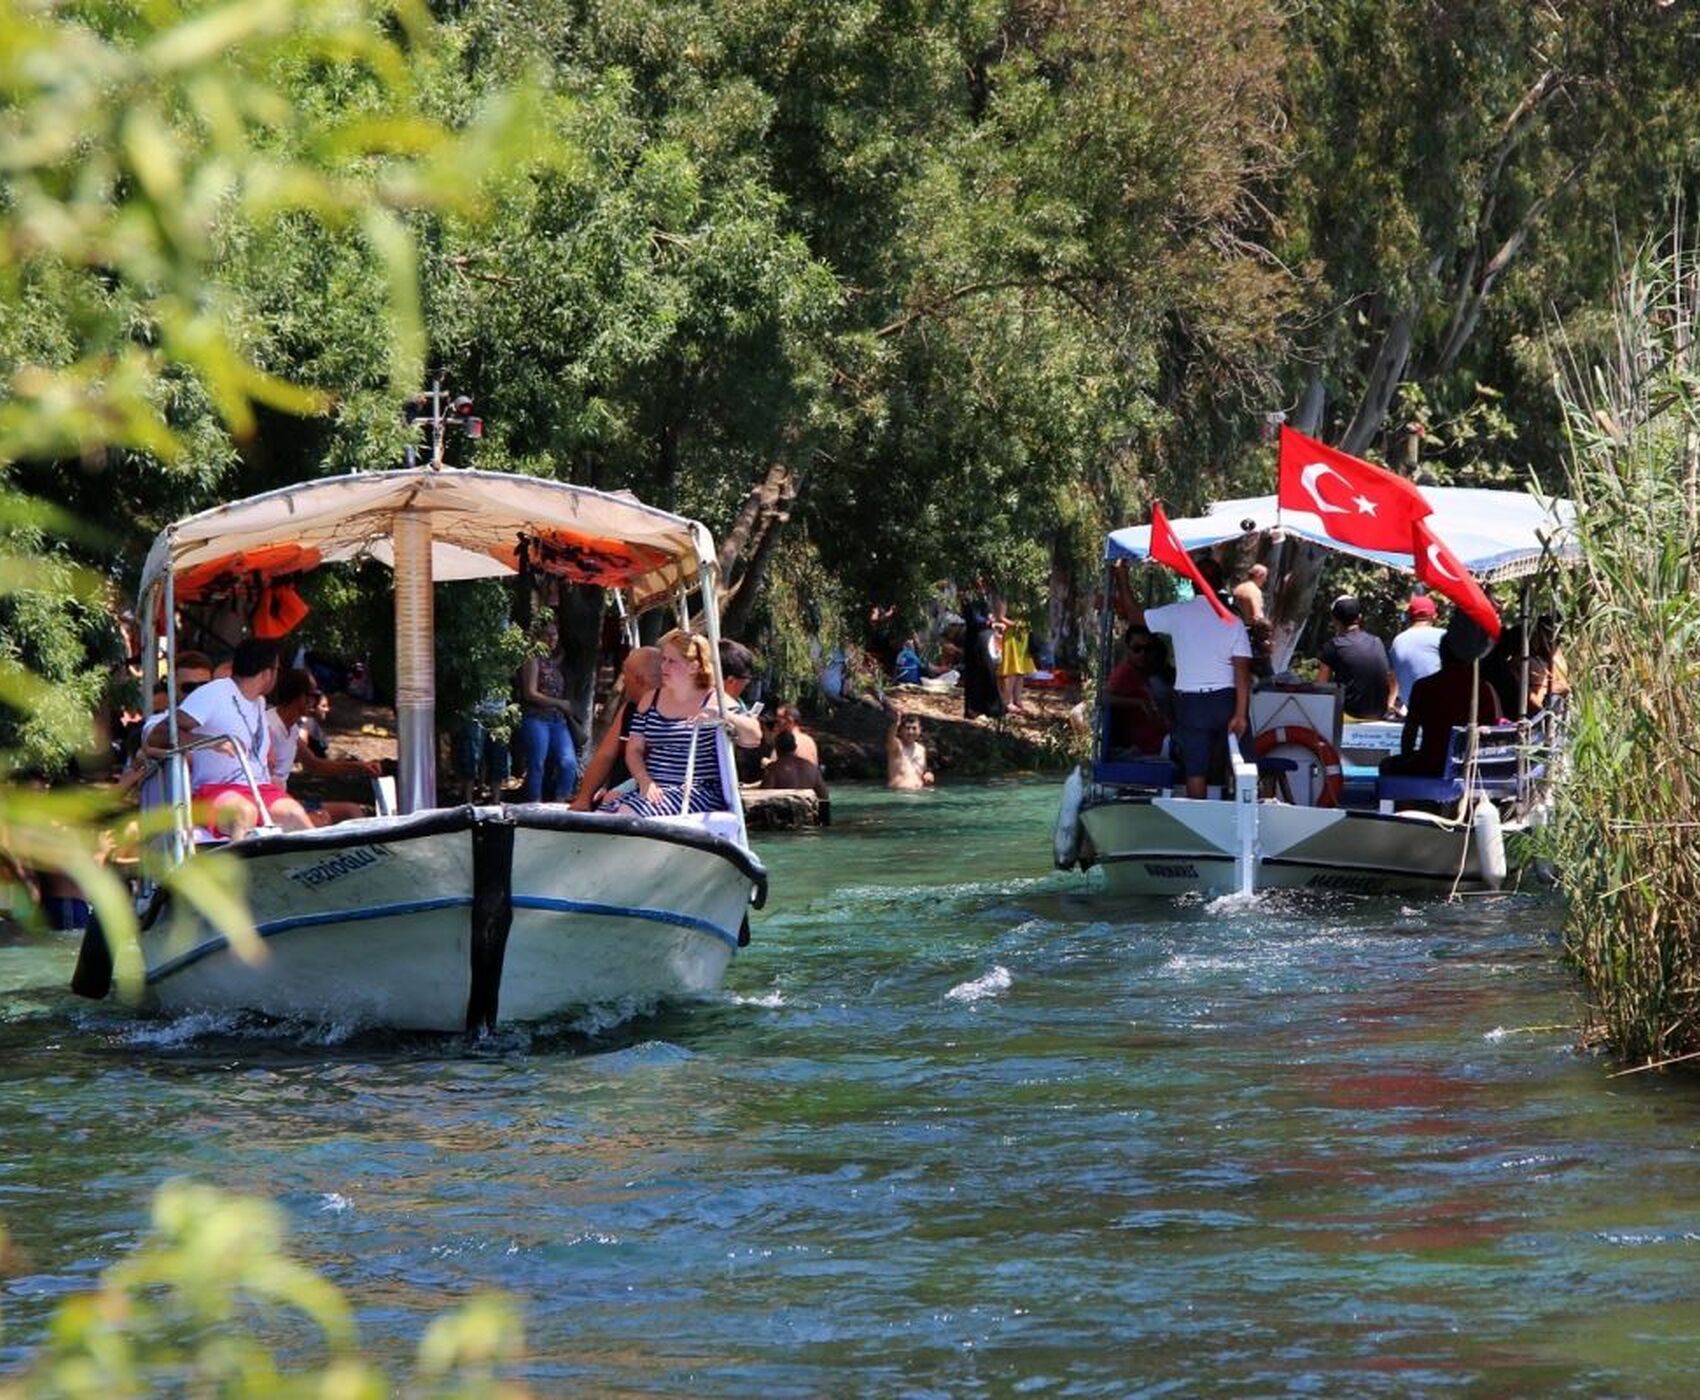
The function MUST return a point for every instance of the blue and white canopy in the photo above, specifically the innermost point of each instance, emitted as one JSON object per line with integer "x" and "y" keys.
{"x": 1495, "y": 534}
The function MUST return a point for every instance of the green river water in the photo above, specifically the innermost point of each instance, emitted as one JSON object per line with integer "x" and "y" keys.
{"x": 955, "y": 1128}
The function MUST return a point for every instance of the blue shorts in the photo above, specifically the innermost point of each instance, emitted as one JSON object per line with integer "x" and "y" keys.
{"x": 1201, "y": 730}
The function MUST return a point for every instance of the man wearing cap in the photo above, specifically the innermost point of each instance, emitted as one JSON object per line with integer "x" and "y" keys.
{"x": 1415, "y": 652}
{"x": 1357, "y": 660}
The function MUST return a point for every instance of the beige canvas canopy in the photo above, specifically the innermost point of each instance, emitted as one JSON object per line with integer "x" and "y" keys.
{"x": 430, "y": 525}
{"x": 477, "y": 521}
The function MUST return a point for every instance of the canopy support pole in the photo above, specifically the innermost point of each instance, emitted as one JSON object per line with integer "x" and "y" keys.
{"x": 711, "y": 627}
{"x": 415, "y": 664}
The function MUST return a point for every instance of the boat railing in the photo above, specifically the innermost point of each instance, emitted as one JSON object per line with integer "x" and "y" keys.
{"x": 1508, "y": 763}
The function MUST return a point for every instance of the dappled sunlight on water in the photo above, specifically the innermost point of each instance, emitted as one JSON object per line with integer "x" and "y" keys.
{"x": 955, "y": 1126}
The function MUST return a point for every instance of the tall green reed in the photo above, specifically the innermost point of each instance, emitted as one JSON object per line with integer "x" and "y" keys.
{"x": 1627, "y": 834}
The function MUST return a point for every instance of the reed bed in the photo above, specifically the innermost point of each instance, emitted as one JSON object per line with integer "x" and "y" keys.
{"x": 1627, "y": 833}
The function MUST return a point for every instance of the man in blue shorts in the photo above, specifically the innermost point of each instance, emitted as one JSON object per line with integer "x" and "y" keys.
{"x": 1212, "y": 680}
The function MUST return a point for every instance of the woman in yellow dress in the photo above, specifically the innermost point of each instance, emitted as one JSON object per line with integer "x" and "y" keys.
{"x": 1016, "y": 662}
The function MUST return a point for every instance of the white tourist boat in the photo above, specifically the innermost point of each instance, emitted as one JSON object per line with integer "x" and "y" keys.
{"x": 1305, "y": 808}
{"x": 449, "y": 918}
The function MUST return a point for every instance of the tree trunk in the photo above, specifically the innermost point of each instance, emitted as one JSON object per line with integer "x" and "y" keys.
{"x": 740, "y": 599}
{"x": 1296, "y": 567}
{"x": 579, "y": 616}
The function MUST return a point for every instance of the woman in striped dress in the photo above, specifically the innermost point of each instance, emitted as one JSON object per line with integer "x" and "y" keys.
{"x": 680, "y": 716}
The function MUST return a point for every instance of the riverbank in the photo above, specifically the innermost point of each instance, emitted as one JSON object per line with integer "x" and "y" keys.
{"x": 851, "y": 735}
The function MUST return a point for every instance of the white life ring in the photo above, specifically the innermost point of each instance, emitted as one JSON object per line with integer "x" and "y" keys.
{"x": 1327, "y": 757}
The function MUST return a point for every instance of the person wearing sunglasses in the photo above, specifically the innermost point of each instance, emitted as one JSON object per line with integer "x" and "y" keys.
{"x": 1138, "y": 724}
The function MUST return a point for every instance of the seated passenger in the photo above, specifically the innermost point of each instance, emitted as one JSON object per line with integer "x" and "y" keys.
{"x": 673, "y": 740}
{"x": 295, "y": 698}
{"x": 1138, "y": 724}
{"x": 640, "y": 676}
{"x": 233, "y": 709}
{"x": 1357, "y": 660}
{"x": 1437, "y": 704}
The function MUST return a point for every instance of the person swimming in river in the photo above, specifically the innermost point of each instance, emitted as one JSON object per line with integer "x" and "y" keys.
{"x": 905, "y": 755}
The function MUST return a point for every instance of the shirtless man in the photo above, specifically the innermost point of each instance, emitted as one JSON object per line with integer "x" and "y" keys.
{"x": 905, "y": 755}
{"x": 1248, "y": 594}
{"x": 790, "y": 720}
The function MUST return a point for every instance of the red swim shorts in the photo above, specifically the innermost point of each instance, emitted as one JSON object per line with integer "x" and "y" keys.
{"x": 209, "y": 794}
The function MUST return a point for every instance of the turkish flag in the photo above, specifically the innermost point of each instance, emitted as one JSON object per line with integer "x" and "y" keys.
{"x": 1357, "y": 502}
{"x": 1438, "y": 567}
{"x": 1166, "y": 550}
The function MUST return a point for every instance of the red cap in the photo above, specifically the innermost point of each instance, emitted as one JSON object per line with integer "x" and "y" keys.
{"x": 1420, "y": 606}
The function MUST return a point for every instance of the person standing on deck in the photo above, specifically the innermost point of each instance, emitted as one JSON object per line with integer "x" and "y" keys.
{"x": 1248, "y": 594}
{"x": 1212, "y": 679}
{"x": 546, "y": 718}
{"x": 1357, "y": 659}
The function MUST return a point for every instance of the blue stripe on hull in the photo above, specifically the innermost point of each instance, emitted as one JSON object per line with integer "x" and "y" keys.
{"x": 273, "y": 927}
{"x": 624, "y": 911}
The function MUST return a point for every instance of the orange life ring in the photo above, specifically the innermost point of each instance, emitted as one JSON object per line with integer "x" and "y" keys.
{"x": 1327, "y": 757}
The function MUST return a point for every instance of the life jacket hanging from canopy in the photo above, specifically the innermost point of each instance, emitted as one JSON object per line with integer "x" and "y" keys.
{"x": 279, "y": 611}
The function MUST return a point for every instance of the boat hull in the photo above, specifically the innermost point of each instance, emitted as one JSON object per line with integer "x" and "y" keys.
{"x": 1169, "y": 846}
{"x": 460, "y": 919}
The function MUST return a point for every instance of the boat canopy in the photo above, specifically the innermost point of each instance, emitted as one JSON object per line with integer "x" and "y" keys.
{"x": 478, "y": 520}
{"x": 1497, "y": 535}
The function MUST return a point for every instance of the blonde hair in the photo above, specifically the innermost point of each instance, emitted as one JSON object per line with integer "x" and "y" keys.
{"x": 695, "y": 649}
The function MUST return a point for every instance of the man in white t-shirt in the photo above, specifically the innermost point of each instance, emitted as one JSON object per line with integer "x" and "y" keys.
{"x": 1212, "y": 680}
{"x": 296, "y": 696}
{"x": 234, "y": 709}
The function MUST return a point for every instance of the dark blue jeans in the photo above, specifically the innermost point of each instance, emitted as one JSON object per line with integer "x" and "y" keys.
{"x": 544, "y": 741}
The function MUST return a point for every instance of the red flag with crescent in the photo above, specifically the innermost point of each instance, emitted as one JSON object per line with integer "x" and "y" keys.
{"x": 1441, "y": 570}
{"x": 1166, "y": 550}
{"x": 1357, "y": 502}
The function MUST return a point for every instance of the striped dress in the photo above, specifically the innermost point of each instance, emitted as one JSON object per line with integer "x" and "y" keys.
{"x": 666, "y": 754}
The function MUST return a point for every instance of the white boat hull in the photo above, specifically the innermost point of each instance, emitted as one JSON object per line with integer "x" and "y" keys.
{"x": 1177, "y": 845}
{"x": 459, "y": 919}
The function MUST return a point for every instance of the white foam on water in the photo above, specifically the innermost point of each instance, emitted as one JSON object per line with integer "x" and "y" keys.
{"x": 768, "y": 999}
{"x": 1233, "y": 903}
{"x": 335, "y": 1202}
{"x": 992, "y": 984}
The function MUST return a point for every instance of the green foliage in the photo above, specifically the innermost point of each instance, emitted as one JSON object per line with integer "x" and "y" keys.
{"x": 1625, "y": 840}
{"x": 211, "y": 1297}
{"x": 479, "y": 651}
{"x": 166, "y": 169}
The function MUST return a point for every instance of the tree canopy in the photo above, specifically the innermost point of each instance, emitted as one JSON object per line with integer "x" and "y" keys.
{"x": 885, "y": 291}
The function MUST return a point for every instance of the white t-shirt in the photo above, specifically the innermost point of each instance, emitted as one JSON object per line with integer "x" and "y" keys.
{"x": 218, "y": 707}
{"x": 284, "y": 739}
{"x": 1205, "y": 646}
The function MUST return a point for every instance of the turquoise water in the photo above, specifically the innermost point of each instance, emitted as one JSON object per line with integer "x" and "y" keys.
{"x": 953, "y": 1129}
